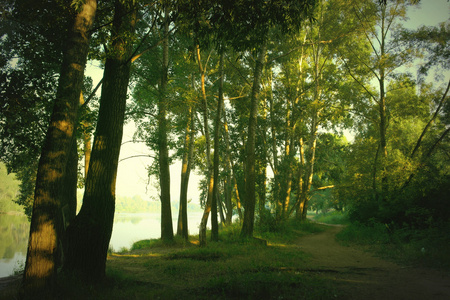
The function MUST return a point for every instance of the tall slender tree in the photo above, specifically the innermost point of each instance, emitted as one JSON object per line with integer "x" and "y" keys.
{"x": 163, "y": 157}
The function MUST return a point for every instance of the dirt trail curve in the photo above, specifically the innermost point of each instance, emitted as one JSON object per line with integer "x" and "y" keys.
{"x": 360, "y": 275}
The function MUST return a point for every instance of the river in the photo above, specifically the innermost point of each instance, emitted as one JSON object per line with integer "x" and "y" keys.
{"x": 128, "y": 228}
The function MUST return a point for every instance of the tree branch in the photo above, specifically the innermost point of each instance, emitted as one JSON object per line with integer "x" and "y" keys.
{"x": 441, "y": 103}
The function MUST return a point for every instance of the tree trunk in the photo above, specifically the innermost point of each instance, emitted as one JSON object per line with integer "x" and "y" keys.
{"x": 231, "y": 173}
{"x": 40, "y": 267}
{"x": 89, "y": 234}
{"x": 288, "y": 153}
{"x": 382, "y": 107}
{"x": 182, "y": 229}
{"x": 310, "y": 170}
{"x": 164, "y": 166}
{"x": 250, "y": 174}
{"x": 276, "y": 176}
{"x": 299, "y": 205}
{"x": 70, "y": 181}
{"x": 214, "y": 223}
{"x": 207, "y": 210}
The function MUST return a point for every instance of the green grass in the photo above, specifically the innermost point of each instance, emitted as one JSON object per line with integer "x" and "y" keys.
{"x": 232, "y": 268}
{"x": 334, "y": 217}
{"x": 289, "y": 231}
{"x": 425, "y": 247}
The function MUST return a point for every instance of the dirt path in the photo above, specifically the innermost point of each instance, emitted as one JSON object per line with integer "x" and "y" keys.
{"x": 360, "y": 275}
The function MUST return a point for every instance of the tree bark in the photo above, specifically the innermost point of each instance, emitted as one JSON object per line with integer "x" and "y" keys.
{"x": 40, "y": 268}
{"x": 232, "y": 176}
{"x": 90, "y": 232}
{"x": 310, "y": 167}
{"x": 214, "y": 223}
{"x": 299, "y": 205}
{"x": 182, "y": 229}
{"x": 250, "y": 174}
{"x": 164, "y": 166}
{"x": 207, "y": 210}
{"x": 382, "y": 107}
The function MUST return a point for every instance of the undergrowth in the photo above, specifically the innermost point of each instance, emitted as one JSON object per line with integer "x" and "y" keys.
{"x": 419, "y": 247}
{"x": 334, "y": 217}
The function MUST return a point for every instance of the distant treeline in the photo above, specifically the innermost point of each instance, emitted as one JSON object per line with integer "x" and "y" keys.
{"x": 135, "y": 204}
{"x": 9, "y": 187}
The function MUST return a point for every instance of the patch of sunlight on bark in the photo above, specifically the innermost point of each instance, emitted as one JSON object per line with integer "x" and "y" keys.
{"x": 51, "y": 174}
{"x": 44, "y": 245}
{"x": 65, "y": 127}
{"x": 77, "y": 67}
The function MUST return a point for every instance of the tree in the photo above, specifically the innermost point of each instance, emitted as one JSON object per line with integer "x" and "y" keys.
{"x": 40, "y": 268}
{"x": 215, "y": 192}
{"x": 164, "y": 172}
{"x": 386, "y": 57}
{"x": 209, "y": 166}
{"x": 89, "y": 234}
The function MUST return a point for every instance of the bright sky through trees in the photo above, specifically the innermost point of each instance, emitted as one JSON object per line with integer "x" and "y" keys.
{"x": 132, "y": 174}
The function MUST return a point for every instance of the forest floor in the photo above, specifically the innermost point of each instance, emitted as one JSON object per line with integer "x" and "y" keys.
{"x": 309, "y": 266}
{"x": 358, "y": 274}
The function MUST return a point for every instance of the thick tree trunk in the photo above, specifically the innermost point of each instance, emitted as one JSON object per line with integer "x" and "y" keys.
{"x": 164, "y": 166}
{"x": 40, "y": 267}
{"x": 69, "y": 192}
{"x": 90, "y": 232}
{"x": 250, "y": 173}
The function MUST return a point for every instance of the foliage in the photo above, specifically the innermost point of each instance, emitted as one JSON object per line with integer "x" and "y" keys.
{"x": 9, "y": 188}
{"x": 33, "y": 33}
{"x": 333, "y": 217}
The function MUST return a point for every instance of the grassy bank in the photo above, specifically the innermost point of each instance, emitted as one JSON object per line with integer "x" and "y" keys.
{"x": 425, "y": 247}
{"x": 232, "y": 268}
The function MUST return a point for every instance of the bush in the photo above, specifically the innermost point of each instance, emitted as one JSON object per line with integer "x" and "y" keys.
{"x": 362, "y": 234}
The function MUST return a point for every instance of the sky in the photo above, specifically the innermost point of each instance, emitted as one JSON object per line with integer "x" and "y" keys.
{"x": 132, "y": 176}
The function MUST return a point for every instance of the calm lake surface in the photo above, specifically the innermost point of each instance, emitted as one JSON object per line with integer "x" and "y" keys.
{"x": 128, "y": 228}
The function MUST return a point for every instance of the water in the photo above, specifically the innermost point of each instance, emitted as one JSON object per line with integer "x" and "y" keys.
{"x": 128, "y": 228}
